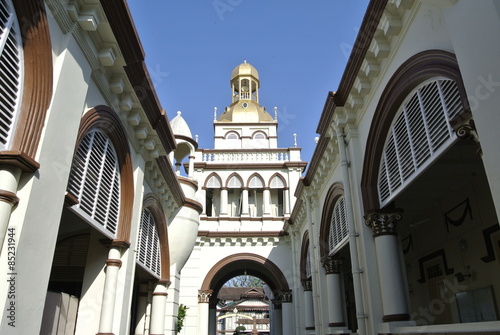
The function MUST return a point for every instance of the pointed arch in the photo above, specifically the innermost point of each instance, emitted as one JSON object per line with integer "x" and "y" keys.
{"x": 213, "y": 181}
{"x": 153, "y": 204}
{"x": 277, "y": 181}
{"x": 106, "y": 121}
{"x": 234, "y": 181}
{"x": 416, "y": 70}
{"x": 255, "y": 181}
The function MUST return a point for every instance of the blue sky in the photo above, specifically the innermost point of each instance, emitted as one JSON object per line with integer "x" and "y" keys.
{"x": 300, "y": 49}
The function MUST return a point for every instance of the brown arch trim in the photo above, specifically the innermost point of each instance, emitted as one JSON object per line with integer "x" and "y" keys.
{"x": 213, "y": 174}
{"x": 420, "y": 67}
{"x": 153, "y": 204}
{"x": 258, "y": 176}
{"x": 263, "y": 266}
{"x": 333, "y": 195}
{"x": 303, "y": 256}
{"x": 279, "y": 176}
{"x": 37, "y": 85}
{"x": 234, "y": 174}
{"x": 107, "y": 121}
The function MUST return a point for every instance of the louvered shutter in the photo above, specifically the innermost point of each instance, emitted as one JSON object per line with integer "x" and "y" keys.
{"x": 256, "y": 182}
{"x": 10, "y": 71}
{"x": 276, "y": 182}
{"x": 234, "y": 182}
{"x": 95, "y": 181}
{"x": 148, "y": 250}
{"x": 420, "y": 133}
{"x": 213, "y": 182}
{"x": 339, "y": 229}
{"x": 308, "y": 264}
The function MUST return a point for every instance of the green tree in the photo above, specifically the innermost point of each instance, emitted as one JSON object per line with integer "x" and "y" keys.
{"x": 181, "y": 315}
{"x": 244, "y": 281}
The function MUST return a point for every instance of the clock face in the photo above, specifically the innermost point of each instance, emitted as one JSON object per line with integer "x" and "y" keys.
{"x": 244, "y": 105}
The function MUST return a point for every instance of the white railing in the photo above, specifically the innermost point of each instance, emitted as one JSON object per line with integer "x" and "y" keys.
{"x": 246, "y": 157}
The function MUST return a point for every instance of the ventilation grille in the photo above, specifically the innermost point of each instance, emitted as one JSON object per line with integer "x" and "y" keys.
{"x": 420, "y": 133}
{"x": 95, "y": 181}
{"x": 148, "y": 253}
{"x": 10, "y": 71}
{"x": 339, "y": 231}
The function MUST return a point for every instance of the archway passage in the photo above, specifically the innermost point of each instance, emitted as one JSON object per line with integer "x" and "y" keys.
{"x": 244, "y": 264}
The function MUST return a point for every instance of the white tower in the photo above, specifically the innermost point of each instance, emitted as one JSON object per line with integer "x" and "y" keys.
{"x": 246, "y": 185}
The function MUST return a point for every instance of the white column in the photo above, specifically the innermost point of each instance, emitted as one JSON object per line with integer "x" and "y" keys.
{"x": 142, "y": 304}
{"x": 309, "y": 305}
{"x": 287, "y": 316}
{"x": 191, "y": 166}
{"x": 286, "y": 194}
{"x": 9, "y": 180}
{"x": 113, "y": 264}
{"x": 203, "y": 311}
{"x": 157, "y": 324}
{"x": 278, "y": 318}
{"x": 334, "y": 290}
{"x": 223, "y": 201}
{"x": 244, "y": 205}
{"x": 266, "y": 199}
{"x": 392, "y": 286}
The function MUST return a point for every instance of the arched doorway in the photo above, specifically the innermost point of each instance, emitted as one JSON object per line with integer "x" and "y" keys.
{"x": 253, "y": 265}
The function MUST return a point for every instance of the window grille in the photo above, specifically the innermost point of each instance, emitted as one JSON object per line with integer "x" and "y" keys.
{"x": 259, "y": 136}
{"x": 95, "y": 181}
{"x": 308, "y": 264}
{"x": 148, "y": 249}
{"x": 234, "y": 182}
{"x": 420, "y": 133}
{"x": 213, "y": 182}
{"x": 232, "y": 136}
{"x": 256, "y": 182}
{"x": 10, "y": 71}
{"x": 277, "y": 182}
{"x": 339, "y": 230}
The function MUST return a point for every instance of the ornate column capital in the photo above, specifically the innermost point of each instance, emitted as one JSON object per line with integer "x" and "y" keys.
{"x": 332, "y": 265}
{"x": 276, "y": 303}
{"x": 383, "y": 222}
{"x": 286, "y": 296}
{"x": 204, "y": 296}
{"x": 307, "y": 284}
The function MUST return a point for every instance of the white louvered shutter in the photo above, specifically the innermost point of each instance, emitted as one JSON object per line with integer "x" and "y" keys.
{"x": 339, "y": 229}
{"x": 420, "y": 133}
{"x": 148, "y": 251}
{"x": 308, "y": 264}
{"x": 234, "y": 182}
{"x": 277, "y": 182}
{"x": 256, "y": 182}
{"x": 11, "y": 71}
{"x": 95, "y": 181}
{"x": 213, "y": 182}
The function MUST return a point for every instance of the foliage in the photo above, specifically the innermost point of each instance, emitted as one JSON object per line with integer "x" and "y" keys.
{"x": 239, "y": 329}
{"x": 181, "y": 315}
{"x": 244, "y": 281}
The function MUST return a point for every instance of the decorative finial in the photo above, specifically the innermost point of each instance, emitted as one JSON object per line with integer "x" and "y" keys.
{"x": 245, "y": 61}
{"x": 179, "y": 113}
{"x": 215, "y": 113}
{"x": 275, "y": 113}
{"x": 316, "y": 139}
{"x": 196, "y": 138}
{"x": 295, "y": 140}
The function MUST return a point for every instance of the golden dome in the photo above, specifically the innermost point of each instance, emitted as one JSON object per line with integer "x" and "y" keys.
{"x": 244, "y": 69}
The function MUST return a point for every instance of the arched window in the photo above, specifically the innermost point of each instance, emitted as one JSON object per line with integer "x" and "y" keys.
{"x": 421, "y": 131}
{"x": 277, "y": 186}
{"x": 232, "y": 136}
{"x": 212, "y": 195}
{"x": 256, "y": 182}
{"x": 213, "y": 182}
{"x": 148, "y": 246}
{"x": 308, "y": 265}
{"x": 339, "y": 231}
{"x": 11, "y": 71}
{"x": 259, "y": 136}
{"x": 234, "y": 182}
{"x": 277, "y": 182}
{"x": 95, "y": 181}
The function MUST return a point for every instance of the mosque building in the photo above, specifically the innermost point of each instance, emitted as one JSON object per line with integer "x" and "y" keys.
{"x": 114, "y": 221}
